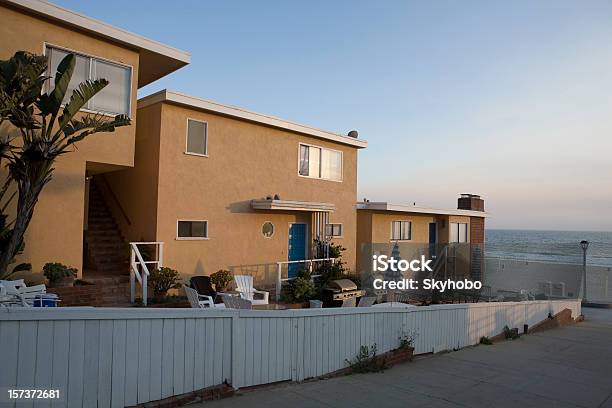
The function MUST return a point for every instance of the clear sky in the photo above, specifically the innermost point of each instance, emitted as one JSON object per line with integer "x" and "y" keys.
{"x": 508, "y": 99}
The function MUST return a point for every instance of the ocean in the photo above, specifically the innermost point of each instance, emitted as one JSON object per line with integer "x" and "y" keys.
{"x": 549, "y": 246}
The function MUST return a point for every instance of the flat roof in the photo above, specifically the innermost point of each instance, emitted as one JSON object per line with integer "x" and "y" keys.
{"x": 157, "y": 59}
{"x": 391, "y": 207}
{"x": 236, "y": 112}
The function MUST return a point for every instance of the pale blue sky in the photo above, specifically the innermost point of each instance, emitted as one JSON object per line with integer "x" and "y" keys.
{"x": 511, "y": 100}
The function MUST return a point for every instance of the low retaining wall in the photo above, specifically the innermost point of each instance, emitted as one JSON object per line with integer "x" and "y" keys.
{"x": 120, "y": 357}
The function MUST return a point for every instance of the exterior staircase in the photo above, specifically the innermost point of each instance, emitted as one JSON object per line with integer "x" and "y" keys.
{"x": 107, "y": 251}
{"x": 106, "y": 264}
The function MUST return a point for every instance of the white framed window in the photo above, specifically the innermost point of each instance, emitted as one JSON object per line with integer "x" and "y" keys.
{"x": 114, "y": 99}
{"x": 191, "y": 229}
{"x": 197, "y": 137}
{"x": 458, "y": 232}
{"x": 321, "y": 163}
{"x": 334, "y": 230}
{"x": 401, "y": 230}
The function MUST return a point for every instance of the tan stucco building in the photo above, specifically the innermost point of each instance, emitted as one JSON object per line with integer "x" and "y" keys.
{"x": 235, "y": 182}
{"x": 420, "y": 230}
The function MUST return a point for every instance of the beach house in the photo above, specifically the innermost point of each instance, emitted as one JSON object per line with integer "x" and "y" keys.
{"x": 227, "y": 188}
{"x": 417, "y": 230}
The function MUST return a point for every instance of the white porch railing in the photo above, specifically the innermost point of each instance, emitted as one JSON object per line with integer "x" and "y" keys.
{"x": 307, "y": 262}
{"x": 139, "y": 271}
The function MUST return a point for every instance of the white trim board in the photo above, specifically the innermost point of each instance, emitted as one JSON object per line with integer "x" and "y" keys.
{"x": 240, "y": 113}
{"x": 384, "y": 206}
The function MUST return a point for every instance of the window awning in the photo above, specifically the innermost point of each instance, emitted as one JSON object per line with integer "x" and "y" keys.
{"x": 286, "y": 205}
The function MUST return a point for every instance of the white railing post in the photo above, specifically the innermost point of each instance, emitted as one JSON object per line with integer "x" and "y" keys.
{"x": 160, "y": 257}
{"x": 136, "y": 262}
{"x": 279, "y": 267}
{"x": 132, "y": 275}
{"x": 145, "y": 289}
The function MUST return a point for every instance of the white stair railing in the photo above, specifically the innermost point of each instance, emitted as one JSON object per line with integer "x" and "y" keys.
{"x": 139, "y": 271}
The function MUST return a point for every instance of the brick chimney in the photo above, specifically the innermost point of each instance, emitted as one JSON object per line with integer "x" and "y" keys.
{"x": 470, "y": 202}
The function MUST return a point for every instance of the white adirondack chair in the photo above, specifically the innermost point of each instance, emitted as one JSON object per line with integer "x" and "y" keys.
{"x": 198, "y": 301}
{"x": 244, "y": 285}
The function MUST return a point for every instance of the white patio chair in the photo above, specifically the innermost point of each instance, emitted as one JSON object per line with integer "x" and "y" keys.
{"x": 244, "y": 285}
{"x": 198, "y": 301}
{"x": 17, "y": 291}
{"x": 235, "y": 302}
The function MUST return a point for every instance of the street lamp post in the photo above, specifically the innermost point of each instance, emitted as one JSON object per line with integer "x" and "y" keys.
{"x": 584, "y": 245}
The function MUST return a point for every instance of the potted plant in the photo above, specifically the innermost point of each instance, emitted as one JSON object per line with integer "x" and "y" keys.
{"x": 162, "y": 280}
{"x": 59, "y": 275}
{"x": 221, "y": 279}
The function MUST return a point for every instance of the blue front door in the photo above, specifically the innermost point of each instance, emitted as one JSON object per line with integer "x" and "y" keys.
{"x": 297, "y": 248}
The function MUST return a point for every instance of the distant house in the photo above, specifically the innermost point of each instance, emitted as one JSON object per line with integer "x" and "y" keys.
{"x": 419, "y": 230}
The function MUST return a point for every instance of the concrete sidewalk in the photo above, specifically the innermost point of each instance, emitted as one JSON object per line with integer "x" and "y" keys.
{"x": 565, "y": 367}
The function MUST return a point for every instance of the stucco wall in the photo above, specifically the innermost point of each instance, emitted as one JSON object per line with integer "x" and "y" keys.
{"x": 381, "y": 226}
{"x": 137, "y": 188}
{"x": 245, "y": 161}
{"x": 56, "y": 231}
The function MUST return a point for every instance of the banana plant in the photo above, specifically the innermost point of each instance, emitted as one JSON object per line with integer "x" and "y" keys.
{"x": 36, "y": 127}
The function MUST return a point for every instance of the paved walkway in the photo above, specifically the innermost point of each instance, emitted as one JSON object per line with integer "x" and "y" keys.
{"x": 566, "y": 367}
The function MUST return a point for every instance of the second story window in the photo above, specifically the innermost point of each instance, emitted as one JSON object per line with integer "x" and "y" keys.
{"x": 197, "y": 137}
{"x": 458, "y": 232}
{"x": 115, "y": 98}
{"x": 401, "y": 230}
{"x": 318, "y": 162}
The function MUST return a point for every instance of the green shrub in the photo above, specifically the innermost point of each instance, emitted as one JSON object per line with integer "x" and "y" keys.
{"x": 221, "y": 279}
{"x": 511, "y": 334}
{"x": 300, "y": 289}
{"x": 407, "y": 339}
{"x": 164, "y": 279}
{"x": 485, "y": 340}
{"x": 367, "y": 361}
{"x": 55, "y": 271}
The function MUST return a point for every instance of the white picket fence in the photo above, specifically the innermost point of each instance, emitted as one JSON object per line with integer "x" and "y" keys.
{"x": 116, "y": 357}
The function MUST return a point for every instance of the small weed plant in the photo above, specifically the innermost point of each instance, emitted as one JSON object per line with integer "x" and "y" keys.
{"x": 367, "y": 361}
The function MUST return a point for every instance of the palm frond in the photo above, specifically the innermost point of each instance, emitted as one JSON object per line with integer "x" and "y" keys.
{"x": 50, "y": 103}
{"x": 97, "y": 125}
{"x": 80, "y": 96}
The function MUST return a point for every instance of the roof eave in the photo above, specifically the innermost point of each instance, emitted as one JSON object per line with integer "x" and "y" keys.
{"x": 173, "y": 58}
{"x": 235, "y": 112}
{"x": 391, "y": 207}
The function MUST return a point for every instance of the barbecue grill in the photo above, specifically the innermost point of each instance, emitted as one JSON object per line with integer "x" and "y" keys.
{"x": 341, "y": 293}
